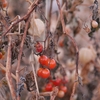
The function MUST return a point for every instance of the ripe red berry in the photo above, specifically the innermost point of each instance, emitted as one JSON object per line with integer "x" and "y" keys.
{"x": 63, "y": 88}
{"x": 45, "y": 73}
{"x": 49, "y": 87}
{"x": 39, "y": 72}
{"x": 39, "y": 47}
{"x": 51, "y": 63}
{"x": 43, "y": 60}
{"x": 57, "y": 82}
{"x": 1, "y": 55}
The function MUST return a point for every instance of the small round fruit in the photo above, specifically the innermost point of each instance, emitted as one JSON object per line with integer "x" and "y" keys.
{"x": 57, "y": 82}
{"x": 39, "y": 47}
{"x": 60, "y": 94}
{"x": 4, "y": 3}
{"x": 1, "y": 55}
{"x": 45, "y": 73}
{"x": 63, "y": 88}
{"x": 39, "y": 72}
{"x": 43, "y": 60}
{"x": 51, "y": 63}
{"x": 61, "y": 43}
{"x": 94, "y": 24}
{"x": 49, "y": 87}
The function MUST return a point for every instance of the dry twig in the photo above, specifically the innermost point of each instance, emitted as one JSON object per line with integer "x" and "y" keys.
{"x": 8, "y": 70}
{"x": 65, "y": 31}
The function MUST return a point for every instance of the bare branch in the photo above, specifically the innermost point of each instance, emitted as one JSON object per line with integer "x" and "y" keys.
{"x": 8, "y": 70}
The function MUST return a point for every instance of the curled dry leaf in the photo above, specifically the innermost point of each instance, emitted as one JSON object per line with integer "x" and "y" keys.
{"x": 86, "y": 55}
{"x": 36, "y": 28}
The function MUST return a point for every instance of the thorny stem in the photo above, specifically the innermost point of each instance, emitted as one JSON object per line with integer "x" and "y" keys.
{"x": 65, "y": 31}
{"x": 8, "y": 70}
{"x": 20, "y": 54}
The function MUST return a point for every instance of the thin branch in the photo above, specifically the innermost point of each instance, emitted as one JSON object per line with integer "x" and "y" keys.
{"x": 20, "y": 54}
{"x": 54, "y": 93}
{"x": 73, "y": 90}
{"x": 65, "y": 31}
{"x": 32, "y": 64}
{"x": 8, "y": 70}
{"x": 4, "y": 69}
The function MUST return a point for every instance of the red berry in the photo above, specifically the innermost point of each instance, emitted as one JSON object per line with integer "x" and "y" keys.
{"x": 57, "y": 82}
{"x": 4, "y": 3}
{"x": 39, "y": 72}
{"x": 61, "y": 43}
{"x": 43, "y": 60}
{"x": 63, "y": 88}
{"x": 1, "y": 55}
{"x": 49, "y": 87}
{"x": 39, "y": 47}
{"x": 45, "y": 73}
{"x": 60, "y": 94}
{"x": 51, "y": 63}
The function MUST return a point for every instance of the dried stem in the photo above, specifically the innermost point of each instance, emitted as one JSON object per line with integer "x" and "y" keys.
{"x": 74, "y": 43}
{"x": 32, "y": 64}
{"x": 73, "y": 90}
{"x": 4, "y": 69}
{"x": 8, "y": 70}
{"x": 65, "y": 31}
{"x": 20, "y": 54}
{"x": 50, "y": 13}
{"x": 54, "y": 93}
{"x": 27, "y": 19}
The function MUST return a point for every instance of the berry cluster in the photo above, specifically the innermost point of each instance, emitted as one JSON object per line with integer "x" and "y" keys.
{"x": 44, "y": 72}
{"x": 47, "y": 62}
{"x": 57, "y": 82}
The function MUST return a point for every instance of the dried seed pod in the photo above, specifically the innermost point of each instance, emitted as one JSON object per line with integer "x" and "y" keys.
{"x": 36, "y": 27}
{"x": 86, "y": 55}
